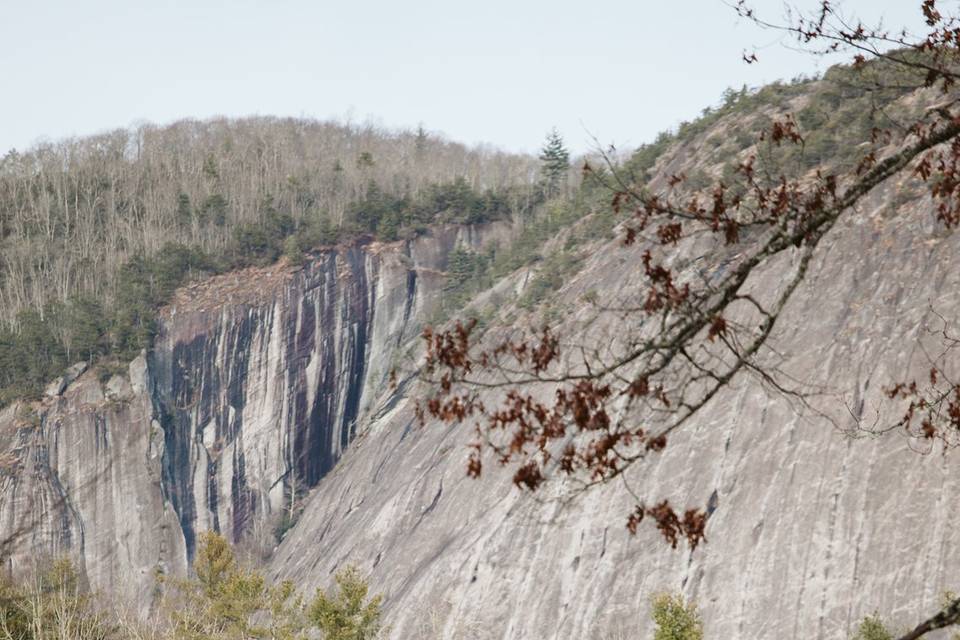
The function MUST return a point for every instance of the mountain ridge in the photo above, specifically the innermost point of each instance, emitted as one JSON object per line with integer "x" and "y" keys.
{"x": 264, "y": 410}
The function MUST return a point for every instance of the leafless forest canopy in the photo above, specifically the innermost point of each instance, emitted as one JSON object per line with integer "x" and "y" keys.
{"x": 73, "y": 212}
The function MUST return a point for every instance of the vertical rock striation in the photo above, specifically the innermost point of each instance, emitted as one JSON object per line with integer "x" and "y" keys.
{"x": 82, "y": 474}
{"x": 810, "y": 529}
{"x": 258, "y": 398}
{"x": 251, "y": 394}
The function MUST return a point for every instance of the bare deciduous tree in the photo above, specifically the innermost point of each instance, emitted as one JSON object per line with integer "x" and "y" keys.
{"x": 86, "y": 206}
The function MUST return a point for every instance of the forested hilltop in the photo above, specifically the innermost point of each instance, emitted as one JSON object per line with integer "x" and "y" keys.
{"x": 96, "y": 232}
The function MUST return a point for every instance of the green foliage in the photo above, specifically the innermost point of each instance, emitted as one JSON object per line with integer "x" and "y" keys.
{"x": 52, "y": 606}
{"x": 553, "y": 273}
{"x": 554, "y": 163}
{"x": 30, "y": 357}
{"x": 184, "y": 210}
{"x": 841, "y": 110}
{"x": 214, "y": 209}
{"x": 390, "y": 217}
{"x": 347, "y": 614}
{"x": 223, "y": 601}
{"x": 469, "y": 272}
{"x": 145, "y": 285}
{"x": 264, "y": 242}
{"x": 85, "y": 328}
{"x": 872, "y": 628}
{"x": 210, "y": 170}
{"x": 367, "y": 212}
{"x": 223, "y": 598}
{"x": 293, "y": 251}
{"x": 839, "y": 116}
{"x": 317, "y": 231}
{"x": 420, "y": 142}
{"x": 676, "y": 619}
{"x": 466, "y": 274}
{"x": 640, "y": 166}
{"x": 44, "y": 344}
{"x": 365, "y": 160}
{"x": 226, "y": 601}
{"x": 253, "y": 245}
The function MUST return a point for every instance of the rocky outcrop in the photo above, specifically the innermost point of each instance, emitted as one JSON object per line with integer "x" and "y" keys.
{"x": 810, "y": 528}
{"x": 255, "y": 387}
{"x": 82, "y": 474}
{"x": 268, "y": 387}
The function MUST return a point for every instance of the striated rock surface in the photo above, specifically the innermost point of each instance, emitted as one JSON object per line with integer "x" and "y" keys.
{"x": 269, "y": 386}
{"x": 809, "y": 531}
{"x": 255, "y": 387}
{"x": 82, "y": 474}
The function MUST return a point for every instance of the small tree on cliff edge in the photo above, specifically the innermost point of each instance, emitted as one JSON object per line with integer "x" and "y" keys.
{"x": 348, "y": 614}
{"x": 555, "y": 163}
{"x": 598, "y": 411}
{"x": 676, "y": 619}
{"x": 228, "y": 600}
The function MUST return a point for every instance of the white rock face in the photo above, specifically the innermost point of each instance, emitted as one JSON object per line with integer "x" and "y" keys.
{"x": 811, "y": 530}
{"x": 82, "y": 475}
{"x": 247, "y": 400}
{"x": 252, "y": 392}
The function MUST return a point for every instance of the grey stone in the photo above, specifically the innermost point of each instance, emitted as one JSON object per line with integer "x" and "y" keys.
{"x": 243, "y": 404}
{"x": 239, "y": 405}
{"x": 58, "y": 386}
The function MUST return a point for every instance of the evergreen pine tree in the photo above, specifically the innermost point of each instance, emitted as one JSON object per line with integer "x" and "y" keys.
{"x": 555, "y": 162}
{"x": 420, "y": 142}
{"x": 184, "y": 210}
{"x": 461, "y": 267}
{"x": 347, "y": 614}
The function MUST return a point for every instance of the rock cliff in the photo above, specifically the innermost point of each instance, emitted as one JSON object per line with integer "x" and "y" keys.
{"x": 810, "y": 530}
{"x": 256, "y": 385}
{"x": 267, "y": 390}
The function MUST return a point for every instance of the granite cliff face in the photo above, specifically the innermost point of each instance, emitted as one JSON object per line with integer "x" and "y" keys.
{"x": 82, "y": 474}
{"x": 256, "y": 385}
{"x": 268, "y": 387}
{"x": 810, "y": 530}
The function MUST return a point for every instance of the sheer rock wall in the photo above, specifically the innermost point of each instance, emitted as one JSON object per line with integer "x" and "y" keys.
{"x": 810, "y": 529}
{"x": 255, "y": 387}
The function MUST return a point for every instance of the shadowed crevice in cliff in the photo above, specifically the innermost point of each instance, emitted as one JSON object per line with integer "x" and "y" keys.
{"x": 256, "y": 383}
{"x": 411, "y": 297}
{"x": 334, "y": 329}
{"x": 244, "y": 498}
{"x": 360, "y": 312}
{"x": 200, "y": 396}
{"x": 176, "y": 459}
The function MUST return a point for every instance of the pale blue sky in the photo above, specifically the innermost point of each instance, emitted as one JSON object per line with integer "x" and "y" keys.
{"x": 495, "y": 71}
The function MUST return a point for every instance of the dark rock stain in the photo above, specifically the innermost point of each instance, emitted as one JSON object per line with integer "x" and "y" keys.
{"x": 325, "y": 313}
